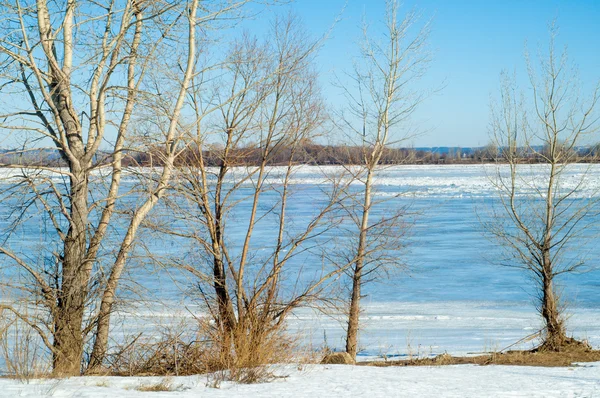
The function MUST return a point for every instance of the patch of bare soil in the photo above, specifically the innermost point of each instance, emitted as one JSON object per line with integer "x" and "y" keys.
{"x": 567, "y": 356}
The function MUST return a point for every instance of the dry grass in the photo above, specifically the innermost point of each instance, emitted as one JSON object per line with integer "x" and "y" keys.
{"x": 102, "y": 383}
{"x": 162, "y": 386}
{"x": 566, "y": 357}
{"x": 243, "y": 356}
{"x": 173, "y": 354}
{"x": 246, "y": 354}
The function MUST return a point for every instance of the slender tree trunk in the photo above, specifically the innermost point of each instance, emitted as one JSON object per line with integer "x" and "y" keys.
{"x": 555, "y": 334}
{"x": 108, "y": 297}
{"x": 353, "y": 317}
{"x": 354, "y": 314}
{"x": 226, "y": 320}
{"x": 224, "y": 303}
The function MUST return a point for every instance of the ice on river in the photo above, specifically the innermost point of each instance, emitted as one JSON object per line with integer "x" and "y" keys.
{"x": 451, "y": 298}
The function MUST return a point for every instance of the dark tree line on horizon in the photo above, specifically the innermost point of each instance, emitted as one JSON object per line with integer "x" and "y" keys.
{"x": 308, "y": 153}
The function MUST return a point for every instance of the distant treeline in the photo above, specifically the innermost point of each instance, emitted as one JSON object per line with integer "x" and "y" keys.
{"x": 310, "y": 153}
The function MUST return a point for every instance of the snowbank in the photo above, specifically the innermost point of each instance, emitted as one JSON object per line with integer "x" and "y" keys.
{"x": 342, "y": 381}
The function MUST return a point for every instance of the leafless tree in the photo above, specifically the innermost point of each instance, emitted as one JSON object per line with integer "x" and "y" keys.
{"x": 381, "y": 100}
{"x": 540, "y": 214}
{"x": 75, "y": 76}
{"x": 271, "y": 98}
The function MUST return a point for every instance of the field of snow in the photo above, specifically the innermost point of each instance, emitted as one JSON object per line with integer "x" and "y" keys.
{"x": 460, "y": 381}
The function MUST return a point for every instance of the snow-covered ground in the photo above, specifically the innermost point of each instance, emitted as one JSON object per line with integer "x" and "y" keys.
{"x": 340, "y": 381}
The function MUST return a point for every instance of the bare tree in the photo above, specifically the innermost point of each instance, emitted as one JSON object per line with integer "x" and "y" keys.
{"x": 270, "y": 97}
{"x": 382, "y": 99}
{"x": 540, "y": 215}
{"x": 78, "y": 73}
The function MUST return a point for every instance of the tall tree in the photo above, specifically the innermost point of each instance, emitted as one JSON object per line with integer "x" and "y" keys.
{"x": 539, "y": 215}
{"x": 381, "y": 100}
{"x": 272, "y": 105}
{"x": 78, "y": 73}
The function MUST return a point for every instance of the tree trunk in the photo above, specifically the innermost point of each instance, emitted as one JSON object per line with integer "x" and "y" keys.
{"x": 224, "y": 303}
{"x": 69, "y": 313}
{"x": 226, "y": 320}
{"x": 555, "y": 333}
{"x": 108, "y": 298}
{"x": 353, "y": 317}
{"x": 354, "y": 314}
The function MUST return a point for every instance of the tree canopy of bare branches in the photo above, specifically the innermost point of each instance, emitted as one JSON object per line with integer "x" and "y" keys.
{"x": 81, "y": 76}
{"x": 270, "y": 97}
{"x": 538, "y": 220}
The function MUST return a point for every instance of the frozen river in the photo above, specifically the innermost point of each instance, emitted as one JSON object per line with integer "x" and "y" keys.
{"x": 453, "y": 296}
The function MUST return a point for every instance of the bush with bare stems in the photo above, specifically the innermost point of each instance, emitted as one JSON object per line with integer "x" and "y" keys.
{"x": 243, "y": 284}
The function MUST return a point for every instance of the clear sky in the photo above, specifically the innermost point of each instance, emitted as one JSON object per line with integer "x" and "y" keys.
{"x": 472, "y": 40}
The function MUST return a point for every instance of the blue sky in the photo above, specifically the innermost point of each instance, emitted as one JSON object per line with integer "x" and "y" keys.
{"x": 472, "y": 41}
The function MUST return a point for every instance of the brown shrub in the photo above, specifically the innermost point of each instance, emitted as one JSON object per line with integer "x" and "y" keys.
{"x": 244, "y": 356}
{"x": 338, "y": 358}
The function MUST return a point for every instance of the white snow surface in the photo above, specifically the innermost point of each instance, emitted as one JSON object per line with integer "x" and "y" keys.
{"x": 447, "y": 181}
{"x": 340, "y": 381}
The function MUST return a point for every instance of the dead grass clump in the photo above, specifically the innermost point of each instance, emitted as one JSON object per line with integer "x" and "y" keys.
{"x": 443, "y": 359}
{"x": 546, "y": 358}
{"x": 171, "y": 355}
{"x": 244, "y": 355}
{"x": 102, "y": 383}
{"x": 338, "y": 358}
{"x": 162, "y": 386}
{"x": 566, "y": 345}
{"x": 516, "y": 358}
